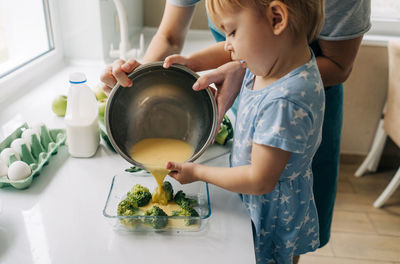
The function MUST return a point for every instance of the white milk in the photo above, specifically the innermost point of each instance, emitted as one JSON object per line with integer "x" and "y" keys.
{"x": 81, "y": 118}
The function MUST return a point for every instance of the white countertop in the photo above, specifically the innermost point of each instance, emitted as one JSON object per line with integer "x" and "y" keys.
{"x": 59, "y": 219}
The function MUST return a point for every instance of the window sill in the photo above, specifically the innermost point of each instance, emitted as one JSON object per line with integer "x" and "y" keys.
{"x": 30, "y": 75}
{"x": 378, "y": 40}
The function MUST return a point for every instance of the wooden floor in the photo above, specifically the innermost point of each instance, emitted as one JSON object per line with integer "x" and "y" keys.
{"x": 362, "y": 234}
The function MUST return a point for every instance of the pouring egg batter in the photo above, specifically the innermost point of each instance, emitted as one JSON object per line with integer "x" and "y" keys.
{"x": 154, "y": 153}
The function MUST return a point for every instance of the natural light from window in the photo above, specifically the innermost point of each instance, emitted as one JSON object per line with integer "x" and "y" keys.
{"x": 24, "y": 33}
{"x": 385, "y": 9}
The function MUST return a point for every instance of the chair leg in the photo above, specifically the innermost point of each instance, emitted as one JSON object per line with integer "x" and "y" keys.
{"x": 372, "y": 160}
{"x": 389, "y": 190}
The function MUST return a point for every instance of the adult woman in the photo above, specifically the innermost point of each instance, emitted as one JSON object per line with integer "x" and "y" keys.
{"x": 336, "y": 49}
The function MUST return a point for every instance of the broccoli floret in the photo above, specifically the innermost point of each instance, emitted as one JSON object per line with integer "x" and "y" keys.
{"x": 187, "y": 211}
{"x": 225, "y": 131}
{"x": 160, "y": 219}
{"x": 181, "y": 199}
{"x": 188, "y": 202}
{"x": 169, "y": 191}
{"x": 128, "y": 207}
{"x": 163, "y": 195}
{"x": 140, "y": 194}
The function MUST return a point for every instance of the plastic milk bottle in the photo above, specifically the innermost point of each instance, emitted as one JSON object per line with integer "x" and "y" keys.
{"x": 81, "y": 118}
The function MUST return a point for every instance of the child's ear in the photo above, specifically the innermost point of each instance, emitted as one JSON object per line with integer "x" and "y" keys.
{"x": 278, "y": 16}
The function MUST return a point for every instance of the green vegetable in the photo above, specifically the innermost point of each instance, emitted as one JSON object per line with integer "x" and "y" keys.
{"x": 155, "y": 217}
{"x": 164, "y": 194}
{"x": 140, "y": 194}
{"x": 128, "y": 207}
{"x": 190, "y": 212}
{"x": 225, "y": 131}
{"x": 133, "y": 169}
{"x": 187, "y": 209}
{"x": 169, "y": 191}
{"x": 160, "y": 219}
{"x": 181, "y": 199}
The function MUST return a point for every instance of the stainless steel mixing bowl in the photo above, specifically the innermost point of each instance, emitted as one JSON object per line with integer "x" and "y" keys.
{"x": 162, "y": 104}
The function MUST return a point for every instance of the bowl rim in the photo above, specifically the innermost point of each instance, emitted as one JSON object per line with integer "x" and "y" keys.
{"x": 138, "y": 71}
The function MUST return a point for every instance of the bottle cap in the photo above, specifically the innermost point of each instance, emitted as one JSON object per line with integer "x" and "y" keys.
{"x": 77, "y": 77}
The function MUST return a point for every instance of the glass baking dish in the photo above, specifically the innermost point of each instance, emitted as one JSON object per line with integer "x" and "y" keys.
{"x": 122, "y": 183}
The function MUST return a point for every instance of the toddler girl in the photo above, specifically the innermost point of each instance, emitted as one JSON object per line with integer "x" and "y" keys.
{"x": 278, "y": 123}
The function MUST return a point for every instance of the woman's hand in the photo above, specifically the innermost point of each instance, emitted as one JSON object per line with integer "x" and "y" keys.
{"x": 118, "y": 72}
{"x": 182, "y": 172}
{"x": 228, "y": 79}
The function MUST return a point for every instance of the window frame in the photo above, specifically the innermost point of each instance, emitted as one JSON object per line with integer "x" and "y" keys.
{"x": 16, "y": 81}
{"x": 382, "y": 30}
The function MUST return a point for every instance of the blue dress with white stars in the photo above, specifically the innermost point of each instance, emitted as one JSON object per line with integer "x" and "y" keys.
{"x": 287, "y": 114}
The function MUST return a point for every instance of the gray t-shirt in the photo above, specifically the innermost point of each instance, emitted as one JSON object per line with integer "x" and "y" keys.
{"x": 344, "y": 19}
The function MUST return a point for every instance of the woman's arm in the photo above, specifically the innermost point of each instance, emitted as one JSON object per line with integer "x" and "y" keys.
{"x": 171, "y": 34}
{"x": 267, "y": 165}
{"x": 336, "y": 62}
{"x": 169, "y": 39}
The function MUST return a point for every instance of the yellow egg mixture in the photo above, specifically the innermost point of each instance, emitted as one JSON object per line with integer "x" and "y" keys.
{"x": 154, "y": 153}
{"x": 168, "y": 209}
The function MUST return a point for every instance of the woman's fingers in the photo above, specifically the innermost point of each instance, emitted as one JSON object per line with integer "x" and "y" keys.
{"x": 130, "y": 65}
{"x": 107, "y": 78}
{"x": 205, "y": 80}
{"x": 106, "y": 89}
{"x": 119, "y": 74}
{"x": 228, "y": 79}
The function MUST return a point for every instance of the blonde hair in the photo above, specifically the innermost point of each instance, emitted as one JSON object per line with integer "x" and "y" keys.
{"x": 305, "y": 16}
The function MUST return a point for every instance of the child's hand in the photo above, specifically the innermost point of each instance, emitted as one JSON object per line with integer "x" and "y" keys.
{"x": 182, "y": 172}
{"x": 176, "y": 59}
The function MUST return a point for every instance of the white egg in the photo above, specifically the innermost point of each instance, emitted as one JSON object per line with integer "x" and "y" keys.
{"x": 6, "y": 153}
{"x": 19, "y": 170}
{"x": 16, "y": 145}
{"x": 27, "y": 135}
{"x": 3, "y": 168}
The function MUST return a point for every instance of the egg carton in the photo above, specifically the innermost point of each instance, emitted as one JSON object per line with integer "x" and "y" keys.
{"x": 35, "y": 146}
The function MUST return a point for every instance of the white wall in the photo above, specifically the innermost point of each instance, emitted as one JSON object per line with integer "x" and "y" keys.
{"x": 81, "y": 29}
